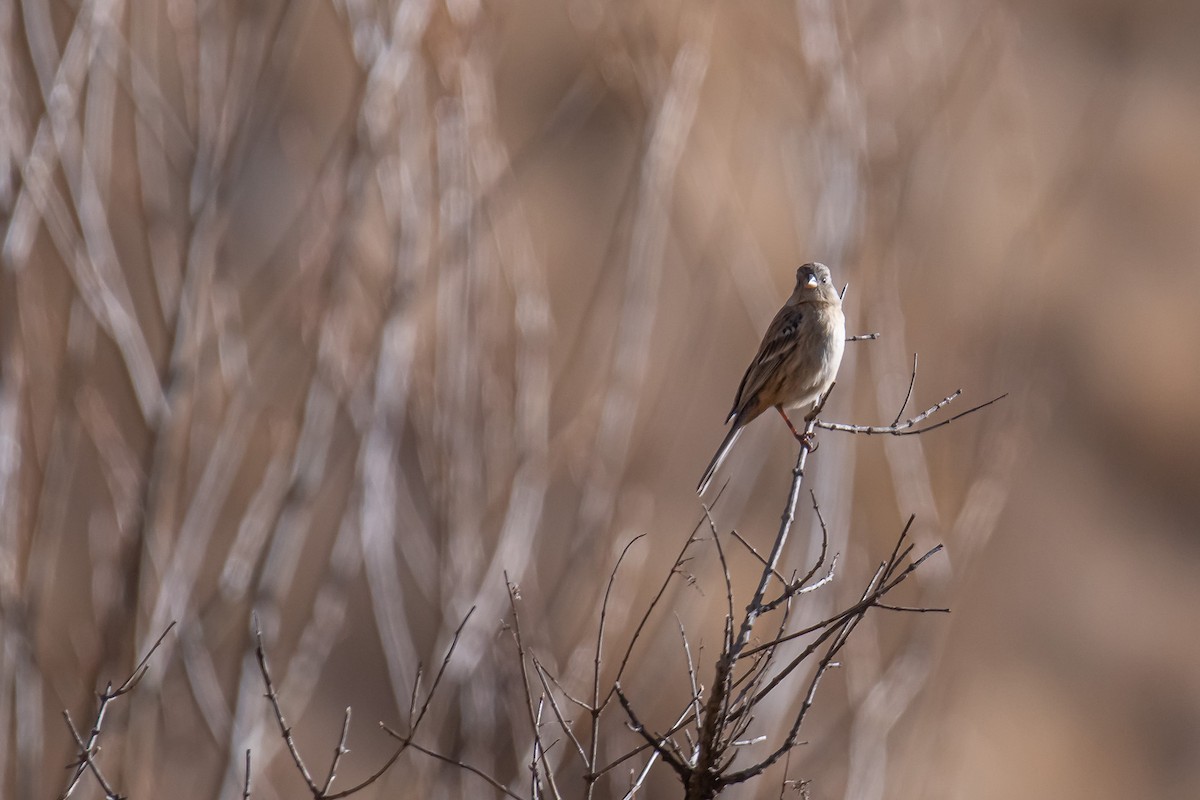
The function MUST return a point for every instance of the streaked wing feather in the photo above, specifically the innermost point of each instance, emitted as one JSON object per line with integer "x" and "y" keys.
{"x": 777, "y": 342}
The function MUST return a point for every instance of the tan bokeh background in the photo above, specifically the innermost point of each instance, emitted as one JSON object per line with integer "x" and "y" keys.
{"x": 340, "y": 311}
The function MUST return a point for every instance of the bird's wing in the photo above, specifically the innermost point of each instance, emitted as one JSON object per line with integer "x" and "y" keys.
{"x": 779, "y": 339}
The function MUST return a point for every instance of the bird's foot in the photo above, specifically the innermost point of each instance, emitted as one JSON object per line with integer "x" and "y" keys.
{"x": 806, "y": 439}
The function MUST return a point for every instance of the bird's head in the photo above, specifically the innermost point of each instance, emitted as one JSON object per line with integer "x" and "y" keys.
{"x": 814, "y": 282}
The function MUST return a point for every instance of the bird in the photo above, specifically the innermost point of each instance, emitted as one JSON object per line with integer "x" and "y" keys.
{"x": 796, "y": 362}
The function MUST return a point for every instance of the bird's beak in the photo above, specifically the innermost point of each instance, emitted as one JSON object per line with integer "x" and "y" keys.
{"x": 812, "y": 281}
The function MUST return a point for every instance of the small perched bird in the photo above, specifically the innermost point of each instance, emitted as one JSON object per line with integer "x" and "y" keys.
{"x": 797, "y": 360}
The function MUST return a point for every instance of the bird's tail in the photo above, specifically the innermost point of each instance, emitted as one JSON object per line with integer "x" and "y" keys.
{"x": 722, "y": 451}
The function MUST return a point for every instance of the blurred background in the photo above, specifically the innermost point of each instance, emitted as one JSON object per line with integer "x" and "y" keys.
{"x": 339, "y": 312}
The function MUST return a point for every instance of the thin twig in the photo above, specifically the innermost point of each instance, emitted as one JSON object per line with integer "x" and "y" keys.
{"x": 653, "y": 740}
{"x": 798, "y": 587}
{"x": 558, "y": 684}
{"x": 754, "y": 552}
{"x": 905, "y": 428}
{"x": 877, "y": 587}
{"x": 662, "y": 589}
{"x": 852, "y": 610}
{"x": 534, "y": 715}
{"x": 912, "y": 381}
{"x": 86, "y": 749}
{"x": 913, "y": 609}
{"x": 321, "y": 793}
{"x": 686, "y": 718}
{"x": 86, "y": 762}
{"x": 405, "y": 742}
{"x": 413, "y": 724}
{"x": 691, "y": 668}
{"x": 273, "y": 697}
{"x": 416, "y": 687}
{"x": 753, "y": 677}
{"x": 545, "y": 680}
{"x": 824, "y": 539}
{"x": 437, "y": 679}
{"x": 535, "y": 783}
{"x": 812, "y": 587}
{"x": 728, "y": 643}
{"x": 597, "y": 707}
{"x": 338, "y": 751}
{"x": 755, "y": 607}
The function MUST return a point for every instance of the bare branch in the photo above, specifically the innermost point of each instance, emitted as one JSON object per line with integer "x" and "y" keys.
{"x": 905, "y": 428}
{"x": 88, "y": 748}
{"x": 841, "y": 634}
{"x": 728, "y": 643}
{"x": 662, "y": 589}
{"x": 338, "y": 751}
{"x": 652, "y": 740}
{"x": 86, "y": 762}
{"x": 534, "y": 714}
{"x": 406, "y": 742}
{"x": 868, "y": 601}
{"x": 598, "y": 706}
{"x": 691, "y": 668}
{"x": 284, "y": 730}
{"x": 545, "y": 680}
{"x": 912, "y": 609}
{"x": 437, "y": 679}
{"x": 413, "y": 724}
{"x": 558, "y": 685}
{"x": 754, "y": 552}
{"x": 798, "y": 587}
{"x": 681, "y": 722}
{"x": 912, "y": 381}
{"x": 140, "y": 670}
{"x": 322, "y": 792}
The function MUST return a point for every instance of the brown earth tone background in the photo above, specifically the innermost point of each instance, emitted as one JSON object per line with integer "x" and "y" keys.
{"x": 338, "y": 312}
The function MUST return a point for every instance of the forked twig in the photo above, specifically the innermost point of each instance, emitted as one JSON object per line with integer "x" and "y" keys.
{"x": 406, "y": 742}
{"x": 273, "y": 697}
{"x": 338, "y": 751}
{"x": 545, "y": 679}
{"x": 654, "y": 741}
{"x": 85, "y": 759}
{"x": 905, "y": 428}
{"x": 88, "y": 748}
{"x": 794, "y": 588}
{"x": 322, "y": 792}
{"x": 534, "y": 714}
